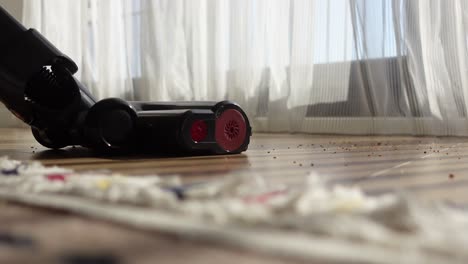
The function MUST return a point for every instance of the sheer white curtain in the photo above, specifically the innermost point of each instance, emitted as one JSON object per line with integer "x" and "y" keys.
{"x": 328, "y": 66}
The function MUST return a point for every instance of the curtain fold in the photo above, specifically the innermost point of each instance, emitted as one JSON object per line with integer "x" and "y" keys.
{"x": 318, "y": 66}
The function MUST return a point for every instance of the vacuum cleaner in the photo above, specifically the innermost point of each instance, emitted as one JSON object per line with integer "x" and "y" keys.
{"x": 37, "y": 85}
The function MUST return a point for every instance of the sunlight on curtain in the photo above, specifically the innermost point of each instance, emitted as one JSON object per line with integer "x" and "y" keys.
{"x": 324, "y": 66}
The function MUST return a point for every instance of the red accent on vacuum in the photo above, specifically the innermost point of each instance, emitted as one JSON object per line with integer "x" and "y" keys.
{"x": 199, "y": 130}
{"x": 231, "y": 130}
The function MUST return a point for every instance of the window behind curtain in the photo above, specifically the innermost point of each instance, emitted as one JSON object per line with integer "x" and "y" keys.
{"x": 338, "y": 46}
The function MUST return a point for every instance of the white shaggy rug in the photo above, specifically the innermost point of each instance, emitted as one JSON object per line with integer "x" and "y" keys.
{"x": 312, "y": 221}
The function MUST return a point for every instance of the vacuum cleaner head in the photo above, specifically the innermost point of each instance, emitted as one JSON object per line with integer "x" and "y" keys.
{"x": 37, "y": 85}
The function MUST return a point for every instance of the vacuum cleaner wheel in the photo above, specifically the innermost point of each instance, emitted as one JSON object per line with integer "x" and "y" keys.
{"x": 231, "y": 130}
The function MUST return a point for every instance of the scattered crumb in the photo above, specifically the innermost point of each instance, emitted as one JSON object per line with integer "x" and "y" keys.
{"x": 294, "y": 162}
{"x": 425, "y": 152}
{"x": 268, "y": 152}
{"x": 300, "y": 164}
{"x": 451, "y": 176}
{"x": 311, "y": 164}
{"x": 274, "y": 157}
{"x": 379, "y": 143}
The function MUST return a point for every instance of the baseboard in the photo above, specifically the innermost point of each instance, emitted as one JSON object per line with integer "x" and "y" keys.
{"x": 366, "y": 126}
{"x": 8, "y": 120}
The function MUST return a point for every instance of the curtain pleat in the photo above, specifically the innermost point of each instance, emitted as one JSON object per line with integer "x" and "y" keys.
{"x": 315, "y": 66}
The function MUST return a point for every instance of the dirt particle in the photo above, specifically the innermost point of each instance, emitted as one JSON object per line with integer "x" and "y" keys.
{"x": 274, "y": 157}
{"x": 451, "y": 176}
{"x": 311, "y": 164}
{"x": 425, "y": 152}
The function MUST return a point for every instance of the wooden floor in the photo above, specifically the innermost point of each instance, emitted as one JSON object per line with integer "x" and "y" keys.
{"x": 435, "y": 169}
